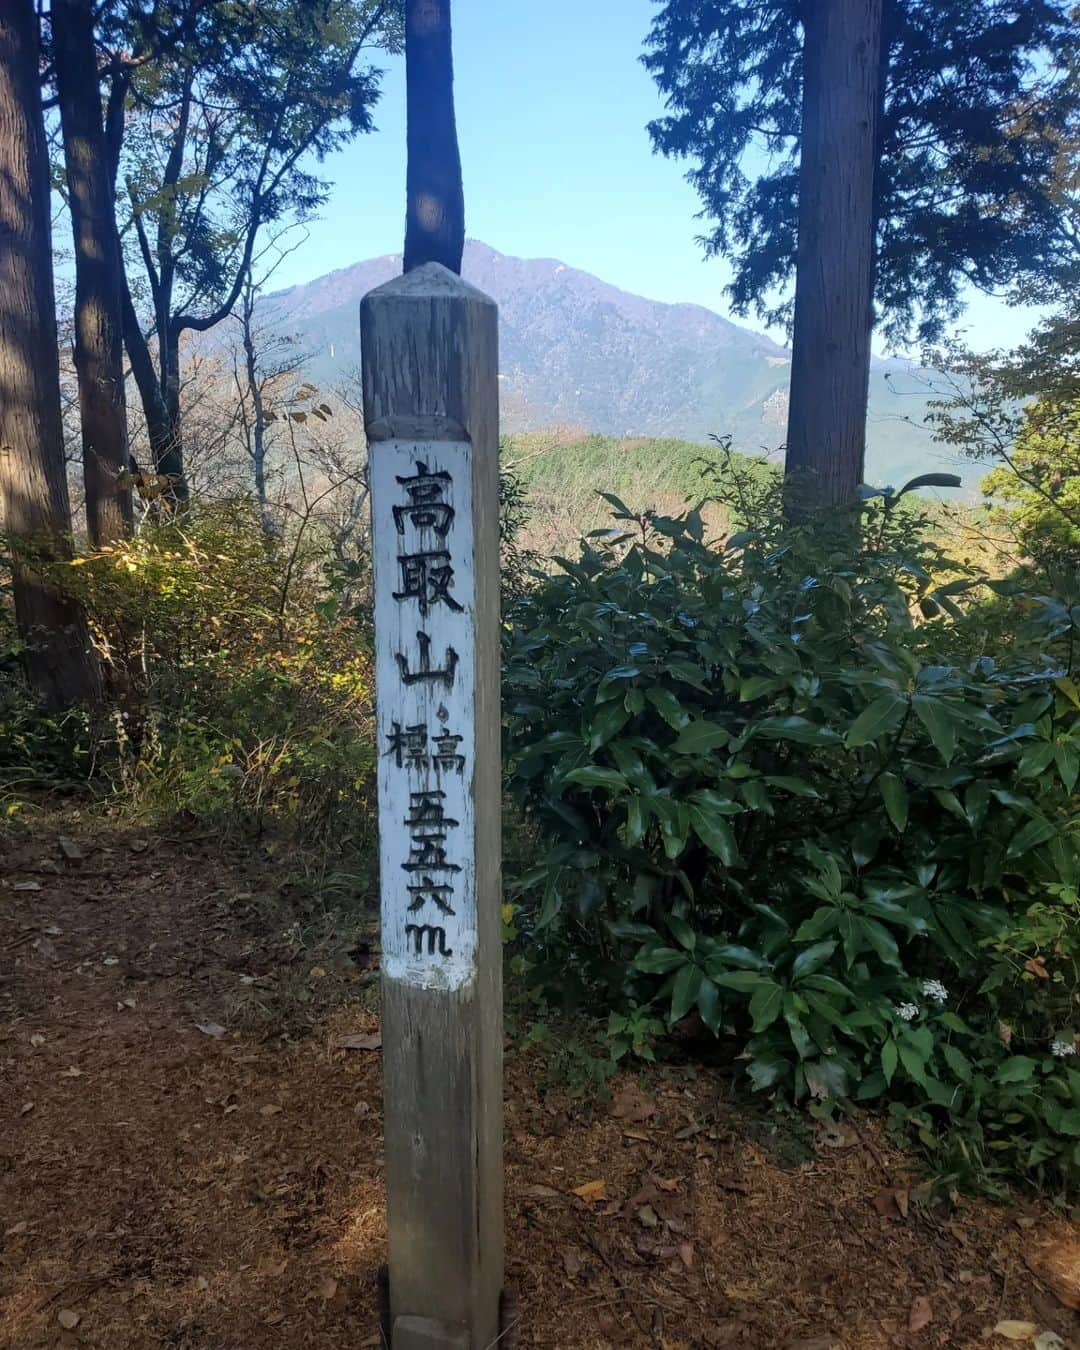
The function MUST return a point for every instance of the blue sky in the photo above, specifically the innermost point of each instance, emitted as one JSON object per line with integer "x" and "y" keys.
{"x": 552, "y": 105}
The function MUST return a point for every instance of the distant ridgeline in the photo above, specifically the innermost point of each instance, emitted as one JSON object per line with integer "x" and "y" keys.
{"x": 577, "y": 352}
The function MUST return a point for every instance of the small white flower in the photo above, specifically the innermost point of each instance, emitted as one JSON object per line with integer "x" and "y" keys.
{"x": 1059, "y": 1049}
{"x": 908, "y": 1011}
{"x": 935, "y": 990}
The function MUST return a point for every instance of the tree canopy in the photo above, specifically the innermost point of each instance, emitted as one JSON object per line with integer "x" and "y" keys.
{"x": 976, "y": 95}
{"x": 217, "y": 117}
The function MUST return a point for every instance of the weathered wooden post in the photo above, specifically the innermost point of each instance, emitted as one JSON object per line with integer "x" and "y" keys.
{"x": 431, "y": 413}
{"x": 430, "y": 374}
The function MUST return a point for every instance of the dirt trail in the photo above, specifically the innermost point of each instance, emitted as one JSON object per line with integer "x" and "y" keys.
{"x": 178, "y": 1170}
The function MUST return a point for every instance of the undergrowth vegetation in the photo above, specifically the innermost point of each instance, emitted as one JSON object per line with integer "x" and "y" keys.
{"x": 239, "y": 664}
{"x": 808, "y": 792}
{"x": 815, "y": 788}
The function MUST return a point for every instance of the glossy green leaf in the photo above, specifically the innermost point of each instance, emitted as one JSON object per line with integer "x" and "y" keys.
{"x": 732, "y": 954}
{"x": 709, "y": 1005}
{"x": 822, "y": 921}
{"x": 685, "y": 991}
{"x": 765, "y": 1004}
{"x": 605, "y": 723}
{"x": 716, "y": 834}
{"x": 595, "y": 776}
{"x": 878, "y": 937}
{"x": 669, "y": 708}
{"x": 741, "y": 981}
{"x": 682, "y": 932}
{"x": 798, "y": 729}
{"x": 636, "y": 820}
{"x": 895, "y": 796}
{"x": 939, "y": 722}
{"x": 1030, "y": 836}
{"x": 878, "y": 718}
{"x": 813, "y": 959}
{"x": 700, "y": 737}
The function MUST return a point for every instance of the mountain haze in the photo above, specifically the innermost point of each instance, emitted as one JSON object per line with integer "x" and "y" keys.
{"x": 578, "y": 352}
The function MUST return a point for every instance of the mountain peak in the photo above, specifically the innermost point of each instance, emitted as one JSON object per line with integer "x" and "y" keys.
{"x": 575, "y": 350}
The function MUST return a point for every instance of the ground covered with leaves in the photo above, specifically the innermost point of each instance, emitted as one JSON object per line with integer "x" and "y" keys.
{"x": 191, "y": 1150}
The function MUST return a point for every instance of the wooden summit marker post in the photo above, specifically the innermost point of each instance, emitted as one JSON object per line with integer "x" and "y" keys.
{"x": 431, "y": 413}
{"x": 430, "y": 363}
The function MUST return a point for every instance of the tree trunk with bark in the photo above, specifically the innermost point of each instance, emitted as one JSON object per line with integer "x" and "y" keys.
{"x": 159, "y": 390}
{"x": 258, "y": 408}
{"x": 33, "y": 486}
{"x": 99, "y": 352}
{"x": 169, "y": 455}
{"x": 435, "y": 215}
{"x": 830, "y": 362}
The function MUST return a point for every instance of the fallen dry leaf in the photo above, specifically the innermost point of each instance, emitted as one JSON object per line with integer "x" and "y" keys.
{"x": 37, "y": 1039}
{"x": 1057, "y": 1264}
{"x": 27, "y": 886}
{"x": 632, "y": 1105}
{"x": 541, "y": 1192}
{"x": 328, "y": 1288}
{"x": 1037, "y": 967}
{"x": 68, "y": 1319}
{"x": 1016, "y": 1331}
{"x": 210, "y": 1028}
{"x": 1049, "y": 1340}
{"x": 647, "y": 1215}
{"x": 16, "y": 1229}
{"x": 591, "y": 1190}
{"x": 832, "y": 1134}
{"x": 921, "y": 1314}
{"x": 572, "y": 1261}
{"x": 270, "y": 1110}
{"x": 892, "y": 1202}
{"x": 361, "y": 1040}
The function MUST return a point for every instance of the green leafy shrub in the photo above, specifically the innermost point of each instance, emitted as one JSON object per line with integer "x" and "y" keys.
{"x": 242, "y": 687}
{"x": 781, "y": 783}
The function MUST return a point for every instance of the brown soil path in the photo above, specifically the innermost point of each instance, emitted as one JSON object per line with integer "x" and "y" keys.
{"x": 187, "y": 1159}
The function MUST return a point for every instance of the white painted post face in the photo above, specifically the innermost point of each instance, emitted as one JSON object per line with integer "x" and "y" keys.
{"x": 425, "y": 664}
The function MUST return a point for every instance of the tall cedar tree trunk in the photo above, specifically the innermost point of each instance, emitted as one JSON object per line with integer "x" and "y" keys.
{"x": 830, "y": 362}
{"x": 435, "y": 217}
{"x": 99, "y": 352}
{"x": 33, "y": 487}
